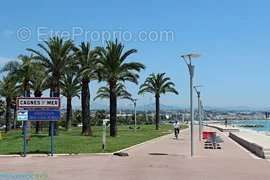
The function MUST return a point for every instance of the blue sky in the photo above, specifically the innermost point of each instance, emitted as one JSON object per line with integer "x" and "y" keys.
{"x": 232, "y": 37}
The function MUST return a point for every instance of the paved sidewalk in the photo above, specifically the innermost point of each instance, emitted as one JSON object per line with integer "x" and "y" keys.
{"x": 231, "y": 163}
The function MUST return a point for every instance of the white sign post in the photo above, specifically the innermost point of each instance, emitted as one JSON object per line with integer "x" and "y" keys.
{"x": 22, "y": 115}
{"x": 104, "y": 133}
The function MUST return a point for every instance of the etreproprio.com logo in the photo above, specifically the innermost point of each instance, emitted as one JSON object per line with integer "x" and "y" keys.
{"x": 23, "y": 176}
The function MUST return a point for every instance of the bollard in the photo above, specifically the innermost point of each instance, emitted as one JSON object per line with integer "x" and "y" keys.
{"x": 104, "y": 134}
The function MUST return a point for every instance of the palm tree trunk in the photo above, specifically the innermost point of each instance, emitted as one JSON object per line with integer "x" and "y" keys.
{"x": 55, "y": 92}
{"x": 14, "y": 117}
{"x": 27, "y": 93}
{"x": 157, "y": 112}
{"x": 113, "y": 110}
{"x": 69, "y": 113}
{"x": 85, "y": 103}
{"x": 7, "y": 117}
{"x": 38, "y": 123}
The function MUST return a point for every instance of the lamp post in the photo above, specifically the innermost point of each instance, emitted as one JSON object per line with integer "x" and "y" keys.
{"x": 187, "y": 58}
{"x": 199, "y": 111}
{"x": 202, "y": 112}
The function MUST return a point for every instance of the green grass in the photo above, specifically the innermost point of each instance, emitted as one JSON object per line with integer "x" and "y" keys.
{"x": 72, "y": 141}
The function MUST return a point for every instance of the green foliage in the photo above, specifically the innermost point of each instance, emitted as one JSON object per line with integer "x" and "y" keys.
{"x": 121, "y": 92}
{"x": 70, "y": 84}
{"x": 86, "y": 61}
{"x": 99, "y": 116}
{"x": 113, "y": 66}
{"x": 2, "y": 107}
{"x": 55, "y": 56}
{"x": 8, "y": 87}
{"x": 157, "y": 84}
{"x": 77, "y": 117}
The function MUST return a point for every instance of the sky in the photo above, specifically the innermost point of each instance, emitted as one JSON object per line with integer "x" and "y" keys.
{"x": 231, "y": 36}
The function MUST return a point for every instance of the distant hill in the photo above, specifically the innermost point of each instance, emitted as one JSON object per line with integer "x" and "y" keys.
{"x": 152, "y": 106}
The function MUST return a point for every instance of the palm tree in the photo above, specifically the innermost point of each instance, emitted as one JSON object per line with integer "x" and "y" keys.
{"x": 21, "y": 72}
{"x": 113, "y": 68}
{"x": 157, "y": 84}
{"x": 24, "y": 74}
{"x": 121, "y": 92}
{"x": 70, "y": 85}
{"x": 38, "y": 85}
{"x": 56, "y": 55}
{"x": 10, "y": 68}
{"x": 86, "y": 58}
{"x": 8, "y": 90}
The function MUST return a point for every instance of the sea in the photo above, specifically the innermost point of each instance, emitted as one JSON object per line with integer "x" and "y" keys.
{"x": 255, "y": 125}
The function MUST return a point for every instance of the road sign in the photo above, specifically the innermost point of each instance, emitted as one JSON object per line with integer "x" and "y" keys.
{"x": 44, "y": 115}
{"x": 38, "y": 102}
{"x": 22, "y": 115}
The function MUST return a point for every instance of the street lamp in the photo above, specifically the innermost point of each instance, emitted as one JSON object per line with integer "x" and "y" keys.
{"x": 187, "y": 58}
{"x": 199, "y": 110}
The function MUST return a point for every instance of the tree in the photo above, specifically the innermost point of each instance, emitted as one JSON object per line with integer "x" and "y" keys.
{"x": 86, "y": 59}
{"x": 10, "y": 68}
{"x": 121, "y": 92}
{"x": 55, "y": 55}
{"x": 70, "y": 85}
{"x": 21, "y": 72}
{"x": 8, "y": 90}
{"x": 113, "y": 68}
{"x": 38, "y": 85}
{"x": 24, "y": 74}
{"x": 157, "y": 84}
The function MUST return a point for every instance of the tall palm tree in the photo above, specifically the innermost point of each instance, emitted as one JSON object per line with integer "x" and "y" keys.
{"x": 24, "y": 74}
{"x": 38, "y": 85}
{"x": 121, "y": 92}
{"x": 70, "y": 85}
{"x": 157, "y": 84}
{"x": 113, "y": 68}
{"x": 8, "y": 90}
{"x": 86, "y": 58}
{"x": 55, "y": 55}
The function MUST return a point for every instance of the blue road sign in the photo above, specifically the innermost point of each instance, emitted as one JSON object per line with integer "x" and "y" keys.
{"x": 44, "y": 115}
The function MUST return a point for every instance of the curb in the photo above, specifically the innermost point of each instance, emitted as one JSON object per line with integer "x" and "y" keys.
{"x": 55, "y": 155}
{"x": 145, "y": 142}
{"x": 92, "y": 154}
{"x": 149, "y": 141}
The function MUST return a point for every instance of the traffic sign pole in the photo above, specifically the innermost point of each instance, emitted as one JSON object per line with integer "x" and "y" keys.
{"x": 52, "y": 138}
{"x": 24, "y": 139}
{"x": 38, "y": 109}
